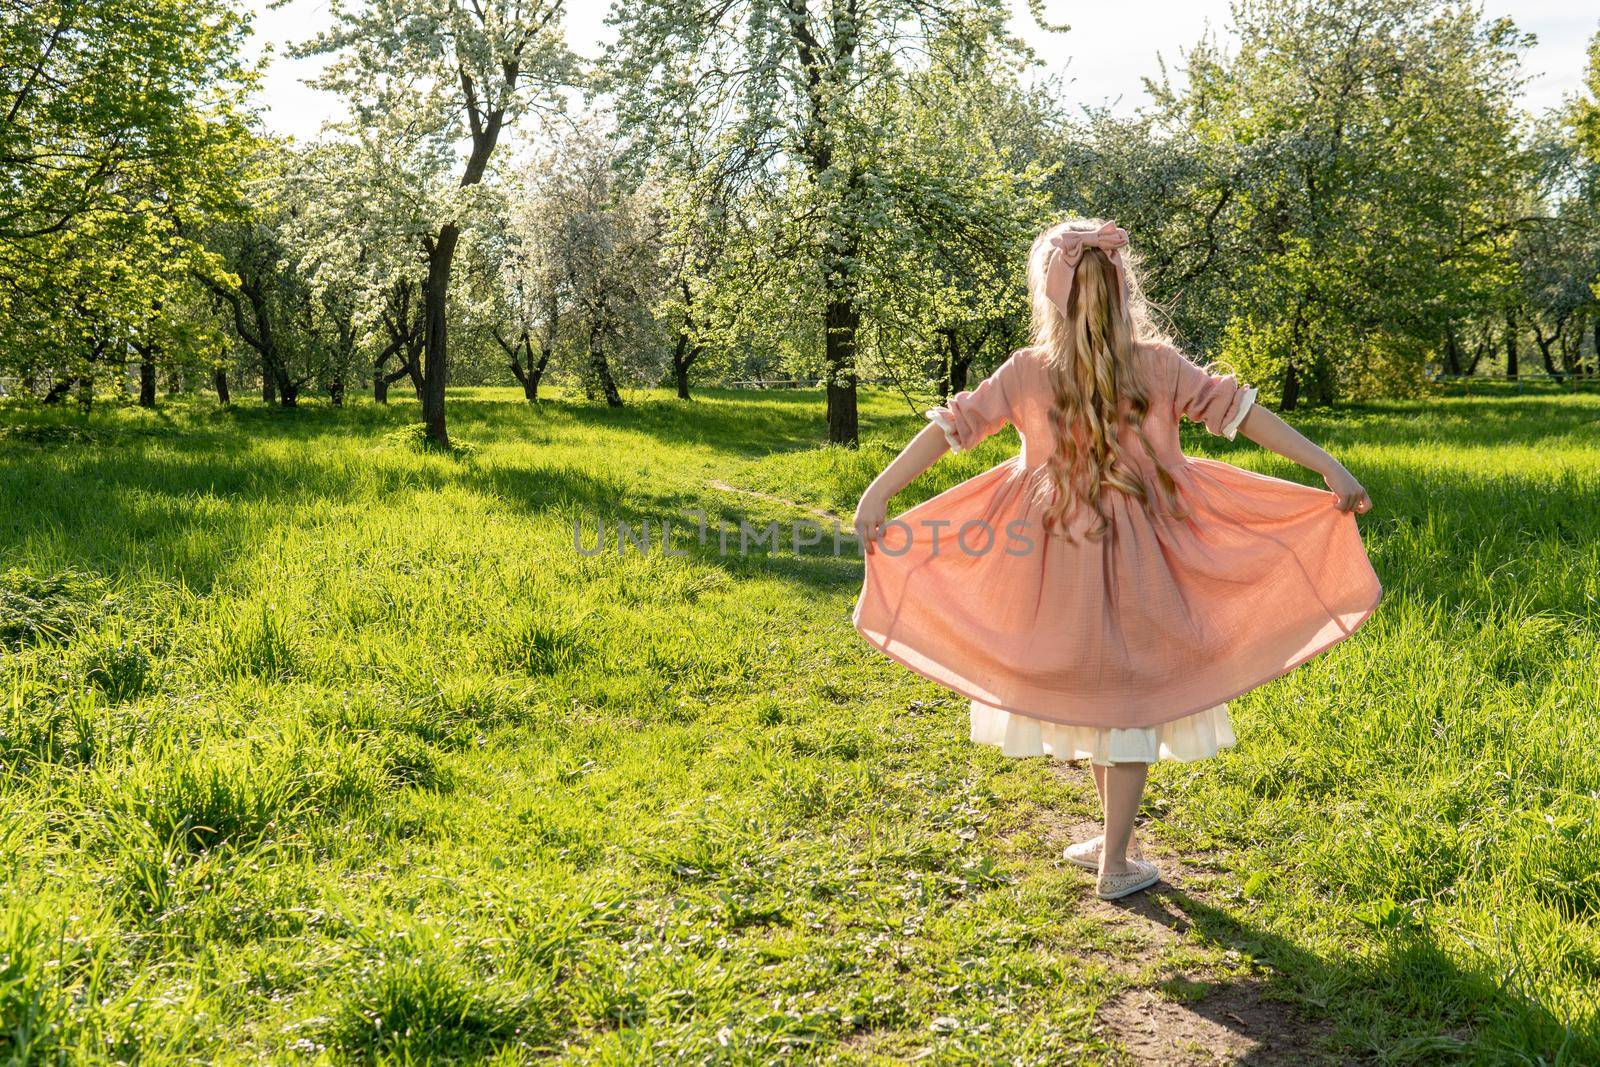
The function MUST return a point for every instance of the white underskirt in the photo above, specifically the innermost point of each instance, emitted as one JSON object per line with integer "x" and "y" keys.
{"x": 1190, "y": 738}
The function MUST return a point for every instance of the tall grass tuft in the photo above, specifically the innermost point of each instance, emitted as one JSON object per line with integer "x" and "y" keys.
{"x": 256, "y": 644}
{"x": 35, "y": 609}
{"x": 410, "y": 999}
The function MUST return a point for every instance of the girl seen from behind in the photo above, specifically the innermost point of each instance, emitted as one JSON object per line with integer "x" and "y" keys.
{"x": 1101, "y": 595}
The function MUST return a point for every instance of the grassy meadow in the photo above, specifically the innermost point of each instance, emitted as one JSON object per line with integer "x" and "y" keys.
{"x": 318, "y": 747}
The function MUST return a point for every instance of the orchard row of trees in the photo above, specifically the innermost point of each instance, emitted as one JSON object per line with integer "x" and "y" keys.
{"x": 1343, "y": 201}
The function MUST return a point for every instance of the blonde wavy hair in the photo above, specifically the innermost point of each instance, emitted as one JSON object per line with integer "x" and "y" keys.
{"x": 1093, "y": 351}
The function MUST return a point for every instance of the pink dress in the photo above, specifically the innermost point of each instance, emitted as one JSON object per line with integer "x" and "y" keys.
{"x": 1124, "y": 648}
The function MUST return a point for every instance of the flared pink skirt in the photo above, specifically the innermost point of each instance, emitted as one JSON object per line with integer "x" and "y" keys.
{"x": 1155, "y": 621}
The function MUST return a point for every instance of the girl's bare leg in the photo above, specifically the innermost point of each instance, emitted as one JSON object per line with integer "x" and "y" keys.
{"x": 1124, "y": 786}
{"x": 1100, "y": 788}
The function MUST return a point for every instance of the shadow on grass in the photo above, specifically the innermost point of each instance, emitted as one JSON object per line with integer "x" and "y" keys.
{"x": 192, "y": 491}
{"x": 201, "y": 500}
{"x": 730, "y": 423}
{"x": 1387, "y": 1007}
{"x": 1477, "y": 422}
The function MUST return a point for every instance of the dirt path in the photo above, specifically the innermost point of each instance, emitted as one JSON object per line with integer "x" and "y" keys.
{"x": 1192, "y": 997}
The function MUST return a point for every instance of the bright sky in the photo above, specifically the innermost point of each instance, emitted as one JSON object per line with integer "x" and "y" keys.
{"x": 1110, "y": 48}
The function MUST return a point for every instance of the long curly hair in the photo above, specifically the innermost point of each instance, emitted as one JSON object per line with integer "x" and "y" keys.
{"x": 1093, "y": 351}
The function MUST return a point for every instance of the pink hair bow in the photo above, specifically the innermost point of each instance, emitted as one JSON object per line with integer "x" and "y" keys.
{"x": 1069, "y": 246}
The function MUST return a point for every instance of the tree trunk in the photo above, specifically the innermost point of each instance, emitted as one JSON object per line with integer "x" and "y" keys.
{"x": 58, "y": 390}
{"x": 276, "y": 384}
{"x": 1452, "y": 350}
{"x": 1511, "y": 345}
{"x": 381, "y": 382}
{"x": 1572, "y": 349}
{"x": 273, "y": 370}
{"x": 405, "y": 344}
{"x": 1480, "y": 350}
{"x": 680, "y": 377}
{"x": 1322, "y": 386}
{"x": 600, "y": 367}
{"x": 842, "y": 320}
{"x": 534, "y": 373}
{"x": 1544, "y": 344}
{"x": 840, "y": 317}
{"x": 219, "y": 380}
{"x": 683, "y": 357}
{"x": 1291, "y": 387}
{"x": 528, "y": 379}
{"x": 546, "y": 347}
{"x": 436, "y": 369}
{"x": 412, "y": 362}
{"x": 686, "y": 351}
{"x": 958, "y": 364}
{"x": 336, "y": 391}
{"x": 147, "y": 376}
{"x": 959, "y": 372}
{"x": 410, "y": 367}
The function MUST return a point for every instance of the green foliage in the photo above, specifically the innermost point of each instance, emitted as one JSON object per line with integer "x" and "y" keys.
{"x": 256, "y": 644}
{"x": 422, "y": 77}
{"x": 415, "y": 438}
{"x": 320, "y": 739}
{"x": 859, "y": 171}
{"x": 1355, "y": 169}
{"x": 959, "y": 199}
{"x": 1585, "y": 114}
{"x": 121, "y": 133}
{"x": 65, "y": 995}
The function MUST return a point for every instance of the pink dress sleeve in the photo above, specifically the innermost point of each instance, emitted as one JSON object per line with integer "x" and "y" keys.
{"x": 972, "y": 415}
{"x": 1215, "y": 400}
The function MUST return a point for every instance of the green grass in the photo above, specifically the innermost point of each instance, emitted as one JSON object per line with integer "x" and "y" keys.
{"x": 319, "y": 746}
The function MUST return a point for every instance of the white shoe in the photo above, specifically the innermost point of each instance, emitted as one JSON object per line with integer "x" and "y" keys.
{"x": 1140, "y": 875}
{"x": 1086, "y": 854}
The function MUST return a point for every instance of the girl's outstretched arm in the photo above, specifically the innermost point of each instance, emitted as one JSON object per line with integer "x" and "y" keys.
{"x": 1272, "y": 433}
{"x": 923, "y": 452}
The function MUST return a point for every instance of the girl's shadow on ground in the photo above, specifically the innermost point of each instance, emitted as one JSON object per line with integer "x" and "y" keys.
{"x": 1308, "y": 1009}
